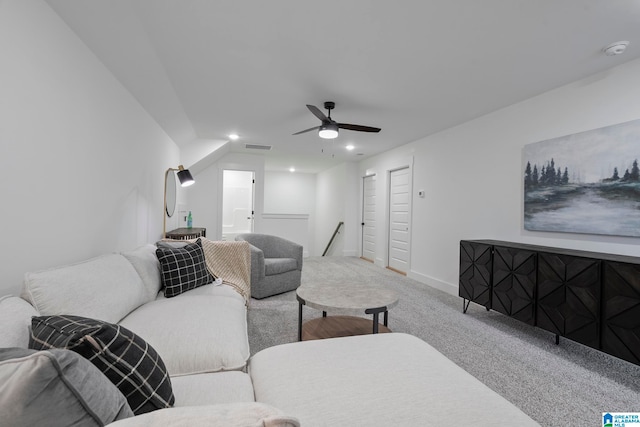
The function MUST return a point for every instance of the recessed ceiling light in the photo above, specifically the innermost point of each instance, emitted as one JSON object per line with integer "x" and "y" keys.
{"x": 292, "y": 169}
{"x": 350, "y": 147}
{"x": 233, "y": 136}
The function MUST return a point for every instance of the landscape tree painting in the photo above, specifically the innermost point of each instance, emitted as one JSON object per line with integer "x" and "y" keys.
{"x": 588, "y": 182}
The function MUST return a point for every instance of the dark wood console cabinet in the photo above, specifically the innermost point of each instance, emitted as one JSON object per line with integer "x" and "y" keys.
{"x": 591, "y": 298}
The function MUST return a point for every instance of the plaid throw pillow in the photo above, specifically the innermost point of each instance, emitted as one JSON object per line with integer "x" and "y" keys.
{"x": 122, "y": 356}
{"x": 182, "y": 268}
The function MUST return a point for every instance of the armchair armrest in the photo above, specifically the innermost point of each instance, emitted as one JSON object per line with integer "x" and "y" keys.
{"x": 277, "y": 247}
{"x": 257, "y": 264}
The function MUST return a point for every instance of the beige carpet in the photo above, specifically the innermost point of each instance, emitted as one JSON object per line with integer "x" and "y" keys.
{"x": 564, "y": 385}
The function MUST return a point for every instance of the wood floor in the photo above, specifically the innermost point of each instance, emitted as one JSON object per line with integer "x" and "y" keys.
{"x": 338, "y": 326}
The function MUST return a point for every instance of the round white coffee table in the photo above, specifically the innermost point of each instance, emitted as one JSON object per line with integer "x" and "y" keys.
{"x": 346, "y": 300}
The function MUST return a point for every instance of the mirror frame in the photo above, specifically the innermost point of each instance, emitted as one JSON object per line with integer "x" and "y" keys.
{"x": 170, "y": 193}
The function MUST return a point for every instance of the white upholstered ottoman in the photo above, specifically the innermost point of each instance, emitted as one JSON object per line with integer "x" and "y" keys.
{"x": 376, "y": 380}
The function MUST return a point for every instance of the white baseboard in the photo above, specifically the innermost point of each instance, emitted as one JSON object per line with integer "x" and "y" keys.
{"x": 350, "y": 253}
{"x": 434, "y": 283}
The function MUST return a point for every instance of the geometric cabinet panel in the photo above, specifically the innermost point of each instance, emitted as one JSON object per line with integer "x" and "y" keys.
{"x": 475, "y": 272}
{"x": 621, "y": 310}
{"x": 569, "y": 297}
{"x": 514, "y": 283}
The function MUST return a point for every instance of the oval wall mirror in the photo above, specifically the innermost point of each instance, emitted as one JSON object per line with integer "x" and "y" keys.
{"x": 170, "y": 185}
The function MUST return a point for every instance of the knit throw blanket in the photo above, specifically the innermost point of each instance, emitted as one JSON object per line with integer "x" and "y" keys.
{"x": 231, "y": 262}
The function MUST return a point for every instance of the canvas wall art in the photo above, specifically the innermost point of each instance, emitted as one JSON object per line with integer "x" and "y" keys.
{"x": 588, "y": 182}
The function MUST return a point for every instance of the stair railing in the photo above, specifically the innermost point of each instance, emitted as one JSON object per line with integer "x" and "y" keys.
{"x": 335, "y": 233}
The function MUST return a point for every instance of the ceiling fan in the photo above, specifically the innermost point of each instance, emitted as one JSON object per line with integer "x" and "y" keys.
{"x": 329, "y": 127}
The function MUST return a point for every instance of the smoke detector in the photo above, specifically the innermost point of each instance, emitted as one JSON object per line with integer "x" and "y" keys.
{"x": 615, "y": 48}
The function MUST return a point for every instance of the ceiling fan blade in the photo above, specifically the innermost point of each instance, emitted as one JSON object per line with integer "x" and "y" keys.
{"x": 359, "y": 128}
{"x": 316, "y": 112}
{"x": 307, "y": 130}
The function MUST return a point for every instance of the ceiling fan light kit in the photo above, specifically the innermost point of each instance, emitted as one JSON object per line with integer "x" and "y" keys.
{"x": 329, "y": 127}
{"x": 328, "y": 131}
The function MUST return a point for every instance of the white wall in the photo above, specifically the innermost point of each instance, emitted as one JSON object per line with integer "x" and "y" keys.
{"x": 82, "y": 163}
{"x": 289, "y": 206}
{"x": 472, "y": 173}
{"x": 284, "y": 202}
{"x": 289, "y": 193}
{"x": 205, "y": 196}
{"x": 337, "y": 200}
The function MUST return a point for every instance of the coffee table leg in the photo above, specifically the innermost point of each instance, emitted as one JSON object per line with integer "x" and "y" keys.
{"x": 375, "y": 322}
{"x": 300, "y": 320}
{"x": 376, "y": 316}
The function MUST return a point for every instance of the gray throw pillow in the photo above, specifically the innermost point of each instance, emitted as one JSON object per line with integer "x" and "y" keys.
{"x": 56, "y": 388}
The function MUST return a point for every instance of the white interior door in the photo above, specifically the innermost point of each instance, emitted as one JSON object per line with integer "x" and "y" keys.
{"x": 399, "y": 197}
{"x": 237, "y": 203}
{"x": 369, "y": 218}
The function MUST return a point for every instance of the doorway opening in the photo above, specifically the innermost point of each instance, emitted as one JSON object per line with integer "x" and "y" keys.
{"x": 237, "y": 203}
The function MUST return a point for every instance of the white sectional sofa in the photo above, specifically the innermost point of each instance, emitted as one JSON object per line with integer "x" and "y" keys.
{"x": 201, "y": 335}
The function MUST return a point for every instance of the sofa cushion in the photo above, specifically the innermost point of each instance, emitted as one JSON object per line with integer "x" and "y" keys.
{"x": 194, "y": 332}
{"x": 183, "y": 268}
{"x": 15, "y": 318}
{"x": 106, "y": 288}
{"x": 222, "y": 290}
{"x": 145, "y": 261}
{"x": 212, "y": 388}
{"x": 279, "y": 265}
{"x": 126, "y": 359}
{"x": 56, "y": 388}
{"x": 237, "y": 414}
{"x": 376, "y": 380}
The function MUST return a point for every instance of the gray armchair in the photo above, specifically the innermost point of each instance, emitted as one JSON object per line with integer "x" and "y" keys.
{"x": 276, "y": 264}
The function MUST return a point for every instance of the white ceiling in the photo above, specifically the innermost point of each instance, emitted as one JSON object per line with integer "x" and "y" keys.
{"x": 205, "y": 69}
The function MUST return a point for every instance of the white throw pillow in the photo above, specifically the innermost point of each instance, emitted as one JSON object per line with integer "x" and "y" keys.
{"x": 105, "y": 288}
{"x": 145, "y": 261}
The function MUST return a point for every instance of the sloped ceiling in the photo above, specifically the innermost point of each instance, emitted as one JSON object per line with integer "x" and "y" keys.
{"x": 205, "y": 69}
